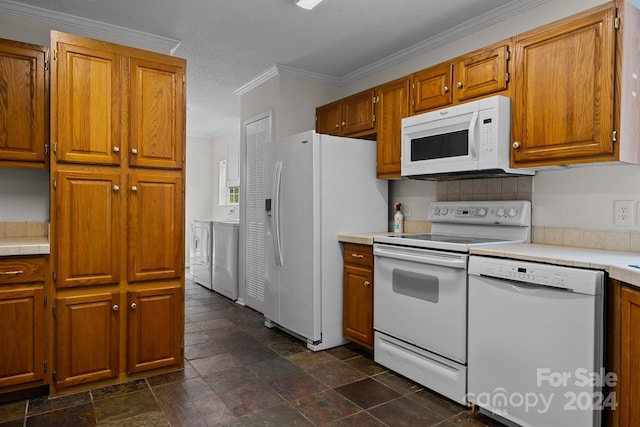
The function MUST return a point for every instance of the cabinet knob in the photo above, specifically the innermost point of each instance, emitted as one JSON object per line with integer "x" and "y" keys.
{"x": 116, "y": 188}
{"x": 355, "y": 255}
{"x": 134, "y": 151}
{"x": 445, "y": 89}
{"x": 459, "y": 84}
{"x": 367, "y": 283}
{"x": 133, "y": 306}
{"x": 337, "y": 125}
{"x": 115, "y": 307}
{"x": 116, "y": 149}
{"x": 516, "y": 144}
{"x": 344, "y": 123}
{"x": 134, "y": 188}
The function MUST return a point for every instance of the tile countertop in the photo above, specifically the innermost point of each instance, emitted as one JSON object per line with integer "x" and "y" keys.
{"x": 615, "y": 263}
{"x": 38, "y": 245}
{"x": 361, "y": 238}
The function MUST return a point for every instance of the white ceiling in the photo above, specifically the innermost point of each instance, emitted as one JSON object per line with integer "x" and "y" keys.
{"x": 227, "y": 43}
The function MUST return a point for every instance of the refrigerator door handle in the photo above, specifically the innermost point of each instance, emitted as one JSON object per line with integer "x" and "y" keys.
{"x": 275, "y": 218}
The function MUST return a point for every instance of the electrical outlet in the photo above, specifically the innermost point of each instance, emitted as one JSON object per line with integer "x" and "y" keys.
{"x": 623, "y": 212}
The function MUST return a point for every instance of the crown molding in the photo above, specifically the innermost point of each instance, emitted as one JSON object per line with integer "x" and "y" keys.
{"x": 92, "y": 28}
{"x": 476, "y": 24}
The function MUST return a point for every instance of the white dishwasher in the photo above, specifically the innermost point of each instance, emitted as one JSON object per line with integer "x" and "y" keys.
{"x": 535, "y": 343}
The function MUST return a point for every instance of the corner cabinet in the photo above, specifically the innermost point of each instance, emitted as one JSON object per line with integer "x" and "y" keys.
{"x": 23, "y": 337}
{"x": 24, "y": 105}
{"x": 357, "y": 313}
{"x": 569, "y": 68}
{"x": 117, "y": 212}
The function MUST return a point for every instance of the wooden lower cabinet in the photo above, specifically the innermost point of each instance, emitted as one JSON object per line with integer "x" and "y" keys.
{"x": 154, "y": 328}
{"x": 357, "y": 315}
{"x": 87, "y": 338}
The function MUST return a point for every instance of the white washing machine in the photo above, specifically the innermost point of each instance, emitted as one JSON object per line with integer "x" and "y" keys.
{"x": 214, "y": 255}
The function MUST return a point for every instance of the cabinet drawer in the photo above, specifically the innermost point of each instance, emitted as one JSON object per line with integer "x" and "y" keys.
{"x": 21, "y": 270}
{"x": 358, "y": 254}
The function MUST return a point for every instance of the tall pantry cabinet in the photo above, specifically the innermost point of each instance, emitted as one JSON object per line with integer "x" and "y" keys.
{"x": 117, "y": 211}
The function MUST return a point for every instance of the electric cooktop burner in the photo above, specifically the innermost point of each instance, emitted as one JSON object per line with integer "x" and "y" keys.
{"x": 446, "y": 238}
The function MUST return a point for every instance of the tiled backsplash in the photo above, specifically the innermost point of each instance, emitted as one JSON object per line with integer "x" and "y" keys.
{"x": 628, "y": 241}
{"x": 24, "y": 229}
{"x": 508, "y": 188}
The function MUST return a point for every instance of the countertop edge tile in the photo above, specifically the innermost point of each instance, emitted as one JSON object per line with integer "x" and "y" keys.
{"x": 361, "y": 238}
{"x": 27, "y": 245}
{"x": 617, "y": 264}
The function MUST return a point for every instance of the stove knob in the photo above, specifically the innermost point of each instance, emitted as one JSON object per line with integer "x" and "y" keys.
{"x": 500, "y": 212}
{"x": 482, "y": 212}
{"x": 444, "y": 211}
{"x": 513, "y": 212}
{"x": 436, "y": 211}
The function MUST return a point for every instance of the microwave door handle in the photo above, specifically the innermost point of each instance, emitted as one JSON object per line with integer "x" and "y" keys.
{"x": 472, "y": 135}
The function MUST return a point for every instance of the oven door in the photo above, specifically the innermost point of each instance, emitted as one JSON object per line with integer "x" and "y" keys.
{"x": 420, "y": 297}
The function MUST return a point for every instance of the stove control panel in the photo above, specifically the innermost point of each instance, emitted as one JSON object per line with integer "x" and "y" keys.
{"x": 516, "y": 212}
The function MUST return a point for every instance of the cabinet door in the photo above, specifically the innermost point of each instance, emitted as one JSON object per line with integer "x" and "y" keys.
{"x": 87, "y": 228}
{"x": 23, "y": 102}
{"x": 563, "y": 101}
{"x": 155, "y": 329}
{"x": 328, "y": 119}
{"x": 87, "y": 94}
{"x": 358, "y": 113}
{"x": 157, "y": 105}
{"x": 156, "y": 226}
{"x": 482, "y": 74}
{"x": 87, "y": 330}
{"x": 431, "y": 88}
{"x": 358, "y": 305}
{"x": 393, "y": 106}
{"x": 22, "y": 337}
{"x": 629, "y": 358}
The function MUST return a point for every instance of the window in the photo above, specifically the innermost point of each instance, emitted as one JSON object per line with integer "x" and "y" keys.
{"x": 226, "y": 195}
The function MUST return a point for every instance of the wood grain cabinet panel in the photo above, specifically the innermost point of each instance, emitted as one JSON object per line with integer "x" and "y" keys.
{"x": 352, "y": 116}
{"x": 154, "y": 328}
{"x": 392, "y": 101}
{"x": 22, "y": 335}
{"x": 482, "y": 74}
{"x": 431, "y": 88}
{"x": 88, "y": 224}
{"x": 629, "y": 388}
{"x": 157, "y": 102}
{"x": 155, "y": 226}
{"x": 328, "y": 118}
{"x": 87, "y": 331}
{"x": 357, "y": 309}
{"x": 24, "y": 109}
{"x": 563, "y": 110}
{"x": 87, "y": 96}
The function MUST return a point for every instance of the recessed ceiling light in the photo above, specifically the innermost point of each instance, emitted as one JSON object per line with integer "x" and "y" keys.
{"x": 307, "y": 4}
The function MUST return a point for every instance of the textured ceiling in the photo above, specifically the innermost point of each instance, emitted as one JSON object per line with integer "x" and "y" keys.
{"x": 229, "y": 42}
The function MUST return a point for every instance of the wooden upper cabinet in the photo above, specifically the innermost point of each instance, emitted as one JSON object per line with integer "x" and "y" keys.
{"x": 563, "y": 109}
{"x": 482, "y": 74}
{"x": 358, "y": 113}
{"x": 22, "y": 337}
{"x": 87, "y": 97}
{"x": 431, "y": 88}
{"x": 392, "y": 101}
{"x": 24, "y": 104}
{"x": 88, "y": 228}
{"x": 156, "y": 239}
{"x": 351, "y": 116}
{"x": 157, "y": 104}
{"x": 87, "y": 331}
{"x": 328, "y": 118}
{"x": 155, "y": 325}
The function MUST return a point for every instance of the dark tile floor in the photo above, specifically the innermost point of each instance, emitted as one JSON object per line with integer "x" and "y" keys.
{"x": 240, "y": 373}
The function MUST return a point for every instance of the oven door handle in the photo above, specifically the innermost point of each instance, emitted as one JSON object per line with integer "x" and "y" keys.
{"x": 406, "y": 254}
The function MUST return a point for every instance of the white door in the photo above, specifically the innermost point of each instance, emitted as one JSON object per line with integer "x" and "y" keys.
{"x": 257, "y": 132}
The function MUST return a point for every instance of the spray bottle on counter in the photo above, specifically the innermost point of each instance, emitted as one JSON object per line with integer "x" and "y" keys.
{"x": 398, "y": 219}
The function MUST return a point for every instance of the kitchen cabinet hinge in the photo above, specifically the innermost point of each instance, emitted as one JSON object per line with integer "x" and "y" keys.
{"x": 508, "y": 56}
{"x": 55, "y": 54}
{"x": 55, "y": 148}
{"x": 46, "y": 65}
{"x": 45, "y": 365}
{"x": 184, "y": 79}
{"x": 55, "y": 276}
{"x": 614, "y": 136}
{"x": 46, "y": 149}
{"x": 55, "y": 376}
{"x": 45, "y": 300}
{"x": 616, "y": 23}
{"x": 55, "y": 310}
{"x": 507, "y": 77}
{"x": 374, "y": 118}
{"x": 55, "y": 187}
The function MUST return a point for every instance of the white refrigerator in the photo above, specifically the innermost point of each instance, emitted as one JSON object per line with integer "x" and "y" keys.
{"x": 316, "y": 187}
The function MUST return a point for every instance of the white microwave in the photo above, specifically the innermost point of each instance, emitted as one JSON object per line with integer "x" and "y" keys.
{"x": 463, "y": 141}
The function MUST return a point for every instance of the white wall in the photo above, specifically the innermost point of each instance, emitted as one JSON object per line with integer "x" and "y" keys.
{"x": 24, "y": 195}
